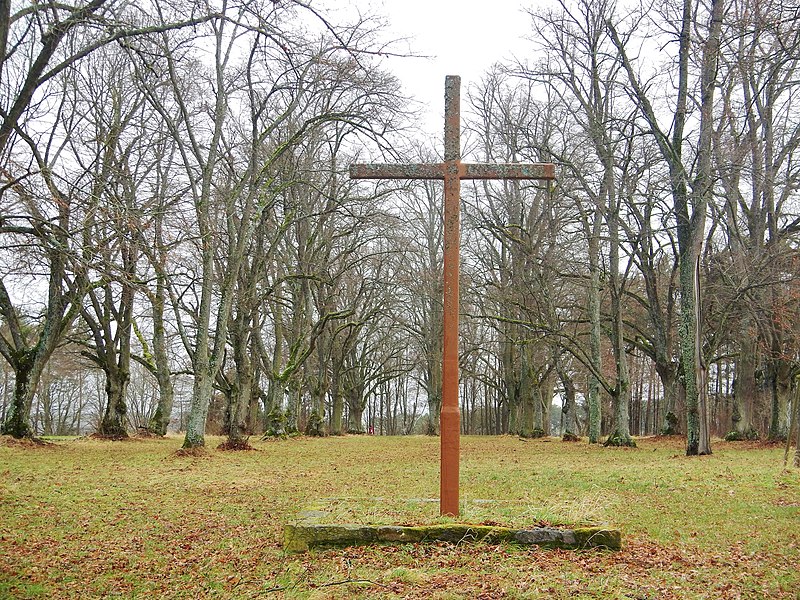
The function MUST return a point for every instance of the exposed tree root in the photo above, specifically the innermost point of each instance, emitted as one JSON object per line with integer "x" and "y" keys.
{"x": 144, "y": 432}
{"x": 193, "y": 452}
{"x": 235, "y": 446}
{"x": 110, "y": 437}
{"x": 618, "y": 440}
{"x": 25, "y": 442}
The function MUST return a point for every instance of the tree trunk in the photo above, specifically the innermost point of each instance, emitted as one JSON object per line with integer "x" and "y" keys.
{"x": 434, "y": 380}
{"x": 569, "y": 410}
{"x": 796, "y": 461}
{"x": 16, "y": 421}
{"x": 621, "y": 398}
{"x": 316, "y": 419}
{"x": 159, "y": 422}
{"x": 166, "y": 390}
{"x": 595, "y": 414}
{"x": 113, "y": 424}
{"x": 527, "y": 409}
{"x": 690, "y": 228}
{"x": 696, "y": 418}
{"x": 293, "y": 408}
{"x": 241, "y": 397}
{"x": 744, "y": 388}
{"x": 669, "y": 380}
{"x": 238, "y": 429}
{"x": 202, "y": 391}
{"x": 781, "y": 399}
{"x": 337, "y": 406}
{"x": 355, "y": 417}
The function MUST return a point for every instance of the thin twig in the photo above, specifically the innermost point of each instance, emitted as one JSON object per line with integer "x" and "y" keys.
{"x": 346, "y": 581}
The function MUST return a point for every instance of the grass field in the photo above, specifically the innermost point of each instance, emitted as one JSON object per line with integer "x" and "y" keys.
{"x": 88, "y": 518}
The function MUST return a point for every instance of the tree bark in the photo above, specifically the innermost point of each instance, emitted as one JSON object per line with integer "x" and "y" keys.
{"x": 25, "y": 382}
{"x": 744, "y": 387}
{"x": 113, "y": 424}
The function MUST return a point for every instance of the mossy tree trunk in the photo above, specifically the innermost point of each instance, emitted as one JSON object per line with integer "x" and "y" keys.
{"x": 356, "y": 404}
{"x": 159, "y": 365}
{"x": 318, "y": 388}
{"x": 433, "y": 369}
{"x": 569, "y": 412}
{"x": 595, "y": 354}
{"x": 669, "y": 379}
{"x": 112, "y": 346}
{"x": 796, "y": 461}
{"x": 113, "y": 425}
{"x": 781, "y": 376}
{"x": 744, "y": 387}
{"x": 30, "y": 345}
{"x": 293, "y": 406}
{"x": 698, "y": 441}
{"x": 353, "y": 389}
{"x": 529, "y": 425}
{"x": 511, "y": 379}
{"x": 545, "y": 399}
{"x": 16, "y": 423}
{"x": 337, "y": 406}
{"x": 244, "y": 328}
{"x": 347, "y": 382}
{"x": 609, "y": 197}
{"x": 217, "y": 280}
{"x": 690, "y": 239}
{"x": 690, "y": 226}
{"x": 239, "y": 428}
{"x": 593, "y": 231}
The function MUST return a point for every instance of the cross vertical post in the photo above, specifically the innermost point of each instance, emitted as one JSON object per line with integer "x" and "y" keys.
{"x": 450, "y": 417}
{"x": 452, "y": 171}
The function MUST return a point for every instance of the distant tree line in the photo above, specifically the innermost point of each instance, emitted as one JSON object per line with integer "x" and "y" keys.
{"x": 182, "y": 244}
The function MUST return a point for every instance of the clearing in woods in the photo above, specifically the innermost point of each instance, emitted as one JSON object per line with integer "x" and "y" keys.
{"x": 90, "y": 518}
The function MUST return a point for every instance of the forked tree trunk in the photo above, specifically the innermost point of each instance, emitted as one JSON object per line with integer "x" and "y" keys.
{"x": 113, "y": 424}
{"x": 16, "y": 421}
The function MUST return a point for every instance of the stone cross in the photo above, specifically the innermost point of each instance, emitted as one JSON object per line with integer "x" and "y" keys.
{"x": 452, "y": 171}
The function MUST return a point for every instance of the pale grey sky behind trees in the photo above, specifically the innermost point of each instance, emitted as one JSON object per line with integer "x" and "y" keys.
{"x": 461, "y": 38}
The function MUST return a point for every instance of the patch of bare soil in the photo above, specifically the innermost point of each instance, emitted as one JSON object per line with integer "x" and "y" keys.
{"x": 26, "y": 442}
{"x": 196, "y": 452}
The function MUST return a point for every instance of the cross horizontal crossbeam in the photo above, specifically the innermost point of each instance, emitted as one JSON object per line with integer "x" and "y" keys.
{"x": 465, "y": 171}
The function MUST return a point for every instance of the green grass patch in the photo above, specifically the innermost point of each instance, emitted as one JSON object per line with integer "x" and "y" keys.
{"x": 91, "y": 518}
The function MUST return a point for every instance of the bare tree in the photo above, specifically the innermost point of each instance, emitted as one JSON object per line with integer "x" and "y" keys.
{"x": 690, "y": 194}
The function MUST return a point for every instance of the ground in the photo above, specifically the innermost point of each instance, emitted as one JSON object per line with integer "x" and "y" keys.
{"x": 92, "y": 518}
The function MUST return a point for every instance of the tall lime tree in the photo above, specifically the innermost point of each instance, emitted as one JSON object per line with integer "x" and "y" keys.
{"x": 691, "y": 181}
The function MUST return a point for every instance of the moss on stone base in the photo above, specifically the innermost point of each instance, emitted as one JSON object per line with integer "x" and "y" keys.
{"x": 310, "y": 533}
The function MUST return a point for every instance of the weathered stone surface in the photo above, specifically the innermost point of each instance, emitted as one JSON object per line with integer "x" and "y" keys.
{"x": 597, "y": 537}
{"x": 309, "y": 532}
{"x": 547, "y": 536}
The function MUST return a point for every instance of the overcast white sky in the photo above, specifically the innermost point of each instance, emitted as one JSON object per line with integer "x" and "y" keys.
{"x": 463, "y": 38}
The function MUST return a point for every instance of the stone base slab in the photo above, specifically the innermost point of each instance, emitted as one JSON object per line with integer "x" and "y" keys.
{"x": 309, "y": 532}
